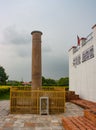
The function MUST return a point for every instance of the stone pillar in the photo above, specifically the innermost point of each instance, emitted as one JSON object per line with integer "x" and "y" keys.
{"x": 36, "y": 60}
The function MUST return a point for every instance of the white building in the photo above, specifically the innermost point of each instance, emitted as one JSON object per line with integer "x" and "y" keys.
{"x": 82, "y": 67}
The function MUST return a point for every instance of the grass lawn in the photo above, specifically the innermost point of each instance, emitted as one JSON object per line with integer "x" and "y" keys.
{"x": 5, "y": 96}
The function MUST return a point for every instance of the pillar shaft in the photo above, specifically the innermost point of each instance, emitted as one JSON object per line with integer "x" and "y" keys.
{"x": 36, "y": 60}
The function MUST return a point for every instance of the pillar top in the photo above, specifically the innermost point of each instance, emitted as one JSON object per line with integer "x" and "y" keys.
{"x": 36, "y": 32}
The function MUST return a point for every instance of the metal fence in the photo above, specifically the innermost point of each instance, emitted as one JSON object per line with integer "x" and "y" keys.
{"x": 24, "y": 100}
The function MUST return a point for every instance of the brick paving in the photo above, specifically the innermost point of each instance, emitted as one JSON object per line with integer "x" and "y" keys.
{"x": 35, "y": 122}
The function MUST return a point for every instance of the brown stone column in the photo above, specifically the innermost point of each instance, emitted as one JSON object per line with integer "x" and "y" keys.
{"x": 36, "y": 60}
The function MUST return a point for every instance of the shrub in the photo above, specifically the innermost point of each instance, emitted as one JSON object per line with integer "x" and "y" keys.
{"x": 4, "y": 89}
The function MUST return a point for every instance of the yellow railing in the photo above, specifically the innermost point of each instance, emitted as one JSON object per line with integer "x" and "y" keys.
{"x": 26, "y": 100}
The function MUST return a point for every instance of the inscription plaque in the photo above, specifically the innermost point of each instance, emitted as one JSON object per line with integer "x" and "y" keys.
{"x": 44, "y": 105}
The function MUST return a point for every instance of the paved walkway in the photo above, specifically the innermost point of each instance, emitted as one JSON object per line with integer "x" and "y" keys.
{"x": 34, "y": 122}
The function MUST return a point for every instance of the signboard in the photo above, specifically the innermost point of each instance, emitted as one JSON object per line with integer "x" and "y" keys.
{"x": 88, "y": 54}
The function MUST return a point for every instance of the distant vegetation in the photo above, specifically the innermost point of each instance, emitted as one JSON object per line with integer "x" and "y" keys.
{"x": 64, "y": 81}
{"x": 51, "y": 82}
{"x": 14, "y": 83}
{"x": 45, "y": 82}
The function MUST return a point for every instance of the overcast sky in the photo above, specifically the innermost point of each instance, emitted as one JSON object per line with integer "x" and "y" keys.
{"x": 60, "y": 22}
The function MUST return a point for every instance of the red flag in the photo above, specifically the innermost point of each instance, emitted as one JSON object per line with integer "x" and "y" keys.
{"x": 78, "y": 40}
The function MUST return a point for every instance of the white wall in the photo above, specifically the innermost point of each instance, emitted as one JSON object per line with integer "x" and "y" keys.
{"x": 82, "y": 77}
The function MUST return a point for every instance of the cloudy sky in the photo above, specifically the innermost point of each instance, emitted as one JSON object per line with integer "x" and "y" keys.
{"x": 59, "y": 20}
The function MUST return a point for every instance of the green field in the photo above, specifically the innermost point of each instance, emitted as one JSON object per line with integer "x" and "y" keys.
{"x": 4, "y": 92}
{"x": 5, "y": 96}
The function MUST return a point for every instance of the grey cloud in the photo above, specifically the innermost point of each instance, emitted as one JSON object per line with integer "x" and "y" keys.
{"x": 55, "y": 66}
{"x": 13, "y": 36}
{"x": 46, "y": 49}
{"x": 24, "y": 51}
{"x": 18, "y": 42}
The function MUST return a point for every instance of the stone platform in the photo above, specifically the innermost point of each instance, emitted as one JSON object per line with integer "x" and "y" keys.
{"x": 35, "y": 122}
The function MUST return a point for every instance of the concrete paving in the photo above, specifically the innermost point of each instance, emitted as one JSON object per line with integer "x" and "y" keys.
{"x": 34, "y": 122}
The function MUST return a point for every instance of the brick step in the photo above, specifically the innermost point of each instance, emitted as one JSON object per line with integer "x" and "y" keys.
{"x": 70, "y": 95}
{"x": 84, "y": 103}
{"x": 68, "y": 124}
{"x": 88, "y": 123}
{"x": 90, "y": 114}
{"x": 78, "y": 123}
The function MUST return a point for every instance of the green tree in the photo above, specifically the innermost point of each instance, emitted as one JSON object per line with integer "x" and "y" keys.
{"x": 48, "y": 82}
{"x": 13, "y": 83}
{"x": 51, "y": 82}
{"x": 3, "y": 76}
{"x": 63, "y": 81}
{"x": 43, "y": 81}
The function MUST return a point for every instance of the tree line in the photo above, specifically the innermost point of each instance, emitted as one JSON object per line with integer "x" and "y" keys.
{"x": 64, "y": 81}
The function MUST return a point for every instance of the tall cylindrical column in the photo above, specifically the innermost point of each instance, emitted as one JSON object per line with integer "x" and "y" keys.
{"x": 36, "y": 60}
